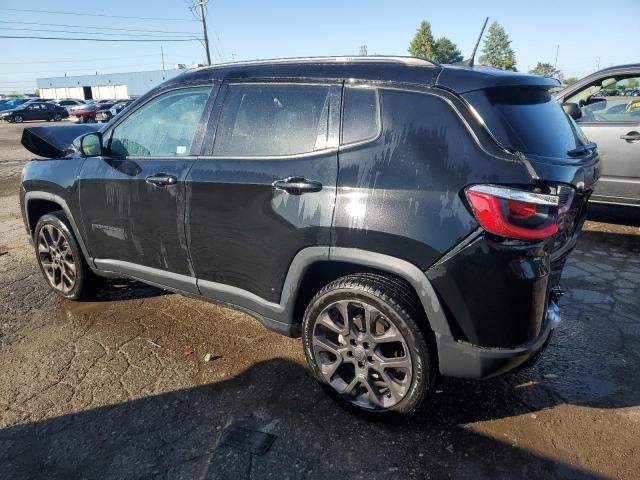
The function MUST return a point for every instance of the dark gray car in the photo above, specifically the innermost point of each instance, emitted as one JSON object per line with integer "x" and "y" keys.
{"x": 610, "y": 117}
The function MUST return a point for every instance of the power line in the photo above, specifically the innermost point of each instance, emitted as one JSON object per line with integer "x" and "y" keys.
{"x": 85, "y": 32}
{"x": 103, "y": 39}
{"x": 101, "y": 27}
{"x": 93, "y": 69}
{"x": 77, "y": 61}
{"x": 128, "y": 17}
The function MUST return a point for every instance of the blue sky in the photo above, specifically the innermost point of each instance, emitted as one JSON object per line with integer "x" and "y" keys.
{"x": 588, "y": 32}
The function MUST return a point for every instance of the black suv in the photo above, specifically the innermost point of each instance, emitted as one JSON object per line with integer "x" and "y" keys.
{"x": 406, "y": 219}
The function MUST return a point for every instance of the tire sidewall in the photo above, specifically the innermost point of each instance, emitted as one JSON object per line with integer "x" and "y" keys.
{"x": 81, "y": 275}
{"x": 422, "y": 365}
{"x": 17, "y": 119}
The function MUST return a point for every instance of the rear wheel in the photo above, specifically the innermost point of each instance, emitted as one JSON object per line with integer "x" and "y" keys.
{"x": 363, "y": 344}
{"x": 60, "y": 258}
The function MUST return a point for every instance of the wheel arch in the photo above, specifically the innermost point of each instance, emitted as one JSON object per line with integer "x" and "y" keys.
{"x": 345, "y": 261}
{"x": 38, "y": 203}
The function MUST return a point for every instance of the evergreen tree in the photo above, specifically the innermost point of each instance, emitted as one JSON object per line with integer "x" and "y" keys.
{"x": 445, "y": 51}
{"x": 545, "y": 70}
{"x": 422, "y": 45}
{"x": 497, "y": 51}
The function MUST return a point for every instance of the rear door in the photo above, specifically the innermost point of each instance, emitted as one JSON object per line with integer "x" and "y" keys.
{"x": 133, "y": 198}
{"x": 265, "y": 188}
{"x": 48, "y": 109}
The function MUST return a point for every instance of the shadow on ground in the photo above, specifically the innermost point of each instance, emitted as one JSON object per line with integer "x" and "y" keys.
{"x": 176, "y": 435}
{"x": 621, "y": 215}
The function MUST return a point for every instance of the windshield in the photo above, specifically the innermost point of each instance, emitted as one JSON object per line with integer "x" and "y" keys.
{"x": 528, "y": 120}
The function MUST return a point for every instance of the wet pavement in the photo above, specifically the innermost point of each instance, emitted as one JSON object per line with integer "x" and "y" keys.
{"x": 110, "y": 388}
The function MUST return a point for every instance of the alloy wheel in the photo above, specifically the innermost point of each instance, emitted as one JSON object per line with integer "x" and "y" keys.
{"x": 362, "y": 355}
{"x": 56, "y": 258}
{"x": 17, "y": 118}
{"x": 57, "y": 117}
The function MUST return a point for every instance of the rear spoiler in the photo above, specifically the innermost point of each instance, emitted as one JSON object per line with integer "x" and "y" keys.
{"x": 53, "y": 142}
{"x": 464, "y": 79}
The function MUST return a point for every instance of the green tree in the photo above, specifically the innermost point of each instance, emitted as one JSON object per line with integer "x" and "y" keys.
{"x": 545, "y": 70}
{"x": 497, "y": 51}
{"x": 422, "y": 45}
{"x": 445, "y": 51}
{"x": 632, "y": 83}
{"x": 570, "y": 80}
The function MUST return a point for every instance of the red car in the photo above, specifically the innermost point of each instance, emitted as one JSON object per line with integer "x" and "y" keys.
{"x": 87, "y": 113}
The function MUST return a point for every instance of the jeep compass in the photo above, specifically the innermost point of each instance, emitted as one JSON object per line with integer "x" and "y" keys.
{"x": 405, "y": 219}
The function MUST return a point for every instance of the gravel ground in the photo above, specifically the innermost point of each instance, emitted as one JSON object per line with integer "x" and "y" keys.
{"x": 109, "y": 388}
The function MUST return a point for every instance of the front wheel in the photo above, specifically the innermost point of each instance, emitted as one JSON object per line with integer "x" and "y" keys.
{"x": 60, "y": 258}
{"x": 57, "y": 117}
{"x": 363, "y": 343}
{"x": 17, "y": 118}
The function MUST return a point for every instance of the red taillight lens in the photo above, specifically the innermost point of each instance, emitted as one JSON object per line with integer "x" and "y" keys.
{"x": 499, "y": 213}
{"x": 521, "y": 209}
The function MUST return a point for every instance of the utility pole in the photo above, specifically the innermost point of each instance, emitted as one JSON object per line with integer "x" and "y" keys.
{"x": 202, "y": 4}
{"x": 555, "y": 65}
{"x": 162, "y": 55}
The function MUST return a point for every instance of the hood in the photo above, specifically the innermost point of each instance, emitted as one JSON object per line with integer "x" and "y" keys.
{"x": 53, "y": 142}
{"x": 12, "y": 109}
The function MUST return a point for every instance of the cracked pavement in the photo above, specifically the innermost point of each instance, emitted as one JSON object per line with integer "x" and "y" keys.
{"x": 108, "y": 389}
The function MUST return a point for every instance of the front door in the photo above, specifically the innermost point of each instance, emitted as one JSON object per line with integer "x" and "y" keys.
{"x": 33, "y": 111}
{"x": 612, "y": 121}
{"x": 265, "y": 189}
{"x": 132, "y": 199}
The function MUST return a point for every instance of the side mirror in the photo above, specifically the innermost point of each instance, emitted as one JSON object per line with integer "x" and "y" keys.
{"x": 91, "y": 144}
{"x": 573, "y": 110}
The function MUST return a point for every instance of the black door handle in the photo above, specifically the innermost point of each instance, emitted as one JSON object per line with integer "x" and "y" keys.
{"x": 631, "y": 137}
{"x": 297, "y": 185}
{"x": 162, "y": 179}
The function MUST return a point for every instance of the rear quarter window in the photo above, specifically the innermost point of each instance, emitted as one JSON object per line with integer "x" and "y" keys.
{"x": 528, "y": 120}
{"x": 360, "y": 119}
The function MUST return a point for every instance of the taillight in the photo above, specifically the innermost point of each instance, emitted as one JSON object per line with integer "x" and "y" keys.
{"x": 513, "y": 213}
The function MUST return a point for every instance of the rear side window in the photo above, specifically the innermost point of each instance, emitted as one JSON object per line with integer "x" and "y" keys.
{"x": 360, "y": 119}
{"x": 265, "y": 120}
{"x": 527, "y": 119}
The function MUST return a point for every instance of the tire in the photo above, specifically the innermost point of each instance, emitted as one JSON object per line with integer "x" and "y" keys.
{"x": 57, "y": 117}
{"x": 384, "y": 370}
{"x": 17, "y": 119}
{"x": 56, "y": 249}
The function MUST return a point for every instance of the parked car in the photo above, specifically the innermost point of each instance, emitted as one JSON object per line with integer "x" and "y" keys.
{"x": 11, "y": 104}
{"x": 69, "y": 102}
{"x": 34, "y": 111}
{"x": 104, "y": 116}
{"x": 87, "y": 113}
{"x": 435, "y": 244}
{"x": 613, "y": 123}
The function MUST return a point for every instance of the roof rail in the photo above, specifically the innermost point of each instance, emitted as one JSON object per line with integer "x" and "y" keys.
{"x": 411, "y": 61}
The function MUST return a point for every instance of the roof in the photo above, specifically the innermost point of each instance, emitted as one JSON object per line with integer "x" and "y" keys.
{"x": 378, "y": 68}
{"x": 631, "y": 68}
{"x": 628, "y": 66}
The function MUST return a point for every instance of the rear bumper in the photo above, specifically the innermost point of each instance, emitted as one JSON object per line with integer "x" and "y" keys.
{"x": 463, "y": 360}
